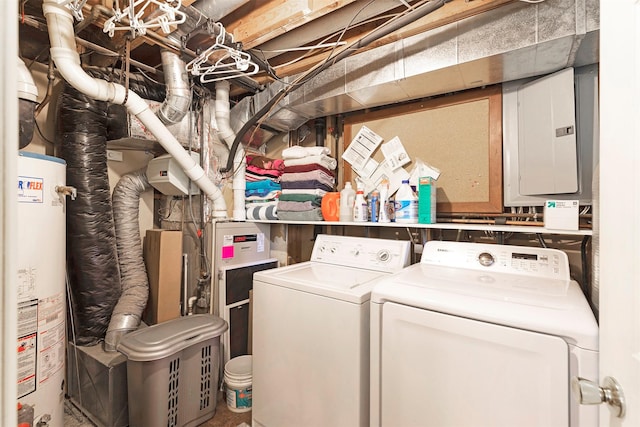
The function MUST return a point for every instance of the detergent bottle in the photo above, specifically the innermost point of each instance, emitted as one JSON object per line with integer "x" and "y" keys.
{"x": 406, "y": 204}
{"x": 347, "y": 199}
{"x": 360, "y": 207}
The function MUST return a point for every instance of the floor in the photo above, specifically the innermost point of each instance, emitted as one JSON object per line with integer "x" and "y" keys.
{"x": 222, "y": 418}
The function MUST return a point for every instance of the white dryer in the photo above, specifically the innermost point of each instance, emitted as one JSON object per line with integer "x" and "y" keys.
{"x": 481, "y": 335}
{"x": 311, "y": 333}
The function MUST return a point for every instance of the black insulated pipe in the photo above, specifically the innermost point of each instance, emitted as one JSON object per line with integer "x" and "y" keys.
{"x": 92, "y": 262}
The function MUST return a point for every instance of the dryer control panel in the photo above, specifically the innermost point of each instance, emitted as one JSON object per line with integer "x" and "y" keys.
{"x": 371, "y": 254}
{"x": 535, "y": 262}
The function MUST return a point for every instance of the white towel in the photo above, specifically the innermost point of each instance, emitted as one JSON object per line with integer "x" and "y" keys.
{"x": 322, "y": 160}
{"x": 310, "y": 191}
{"x": 298, "y": 152}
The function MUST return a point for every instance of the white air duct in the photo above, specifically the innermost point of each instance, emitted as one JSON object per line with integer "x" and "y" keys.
{"x": 28, "y": 97}
{"x": 227, "y": 135}
{"x": 26, "y": 86}
{"x": 67, "y": 60}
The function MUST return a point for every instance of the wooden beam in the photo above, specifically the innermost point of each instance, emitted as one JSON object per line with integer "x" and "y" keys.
{"x": 275, "y": 17}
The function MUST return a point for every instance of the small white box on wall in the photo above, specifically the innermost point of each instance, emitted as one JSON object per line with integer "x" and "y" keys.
{"x": 561, "y": 214}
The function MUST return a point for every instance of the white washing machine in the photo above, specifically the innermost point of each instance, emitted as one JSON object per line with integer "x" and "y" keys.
{"x": 481, "y": 335}
{"x": 311, "y": 333}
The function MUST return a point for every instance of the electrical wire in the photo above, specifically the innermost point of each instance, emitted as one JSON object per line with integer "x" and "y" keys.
{"x": 42, "y": 134}
{"x": 293, "y": 49}
{"x": 329, "y": 37}
{"x": 146, "y": 76}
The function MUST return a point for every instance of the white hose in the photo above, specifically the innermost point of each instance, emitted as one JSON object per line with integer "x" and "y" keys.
{"x": 67, "y": 60}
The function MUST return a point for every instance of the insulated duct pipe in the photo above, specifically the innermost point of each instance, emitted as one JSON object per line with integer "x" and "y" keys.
{"x": 202, "y": 11}
{"x": 178, "y": 100}
{"x": 127, "y": 313}
{"x": 226, "y": 133}
{"x": 376, "y": 34}
{"x": 67, "y": 60}
{"x": 92, "y": 257}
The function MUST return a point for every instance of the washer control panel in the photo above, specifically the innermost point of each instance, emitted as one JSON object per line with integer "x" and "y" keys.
{"x": 362, "y": 252}
{"x": 537, "y": 262}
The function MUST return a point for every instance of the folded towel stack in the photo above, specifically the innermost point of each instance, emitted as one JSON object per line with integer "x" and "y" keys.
{"x": 263, "y": 186}
{"x": 308, "y": 175}
{"x": 261, "y": 167}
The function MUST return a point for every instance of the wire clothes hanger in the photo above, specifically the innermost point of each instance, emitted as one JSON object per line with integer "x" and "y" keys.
{"x": 165, "y": 14}
{"x": 221, "y": 62}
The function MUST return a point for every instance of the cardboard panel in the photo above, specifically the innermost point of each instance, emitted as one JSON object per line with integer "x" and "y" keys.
{"x": 163, "y": 259}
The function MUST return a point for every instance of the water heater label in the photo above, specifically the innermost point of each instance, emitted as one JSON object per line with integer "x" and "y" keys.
{"x": 27, "y": 338}
{"x": 30, "y": 189}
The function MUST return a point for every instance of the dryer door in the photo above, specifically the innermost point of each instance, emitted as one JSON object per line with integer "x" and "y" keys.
{"x": 442, "y": 370}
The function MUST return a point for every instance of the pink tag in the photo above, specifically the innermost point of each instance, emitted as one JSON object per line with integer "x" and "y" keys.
{"x": 227, "y": 252}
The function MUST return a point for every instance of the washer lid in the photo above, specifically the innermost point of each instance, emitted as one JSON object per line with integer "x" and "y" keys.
{"x": 334, "y": 281}
{"x": 555, "y": 307}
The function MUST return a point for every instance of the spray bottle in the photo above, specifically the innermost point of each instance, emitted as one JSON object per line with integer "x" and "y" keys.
{"x": 384, "y": 193}
{"x": 360, "y": 207}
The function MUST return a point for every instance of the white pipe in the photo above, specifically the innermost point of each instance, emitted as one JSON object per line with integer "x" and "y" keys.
{"x": 67, "y": 60}
{"x": 226, "y": 133}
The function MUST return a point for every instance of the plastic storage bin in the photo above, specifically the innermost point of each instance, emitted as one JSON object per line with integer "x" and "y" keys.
{"x": 173, "y": 370}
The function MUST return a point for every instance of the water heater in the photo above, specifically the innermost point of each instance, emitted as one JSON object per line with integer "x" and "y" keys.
{"x": 41, "y": 288}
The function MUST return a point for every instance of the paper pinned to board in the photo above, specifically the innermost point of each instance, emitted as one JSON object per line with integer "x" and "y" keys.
{"x": 422, "y": 169}
{"x": 358, "y": 153}
{"x": 385, "y": 171}
{"x": 394, "y": 153}
{"x": 371, "y": 172}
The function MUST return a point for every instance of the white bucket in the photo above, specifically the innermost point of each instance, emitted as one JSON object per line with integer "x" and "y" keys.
{"x": 237, "y": 379}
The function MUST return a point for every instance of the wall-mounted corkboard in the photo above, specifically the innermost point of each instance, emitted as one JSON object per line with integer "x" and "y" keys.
{"x": 461, "y": 135}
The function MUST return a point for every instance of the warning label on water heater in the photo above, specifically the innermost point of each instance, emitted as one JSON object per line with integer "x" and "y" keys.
{"x": 41, "y": 341}
{"x": 27, "y": 339}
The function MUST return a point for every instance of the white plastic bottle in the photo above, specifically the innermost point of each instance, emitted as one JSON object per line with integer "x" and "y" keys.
{"x": 406, "y": 204}
{"x": 347, "y": 198}
{"x": 384, "y": 192}
{"x": 360, "y": 207}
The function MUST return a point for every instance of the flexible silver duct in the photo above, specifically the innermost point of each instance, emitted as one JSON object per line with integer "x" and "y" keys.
{"x": 178, "y": 100}
{"x": 133, "y": 275}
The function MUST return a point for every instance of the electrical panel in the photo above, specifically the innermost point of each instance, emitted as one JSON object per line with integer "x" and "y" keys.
{"x": 536, "y": 165}
{"x": 547, "y": 135}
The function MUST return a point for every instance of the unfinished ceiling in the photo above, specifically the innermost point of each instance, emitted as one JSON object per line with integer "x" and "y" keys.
{"x": 272, "y": 29}
{"x": 463, "y": 44}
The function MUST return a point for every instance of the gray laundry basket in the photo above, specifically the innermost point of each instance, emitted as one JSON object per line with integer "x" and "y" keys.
{"x": 173, "y": 371}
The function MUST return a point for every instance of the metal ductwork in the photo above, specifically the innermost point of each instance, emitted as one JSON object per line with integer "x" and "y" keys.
{"x": 127, "y": 312}
{"x": 202, "y": 11}
{"x": 515, "y": 41}
{"x": 178, "y": 100}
